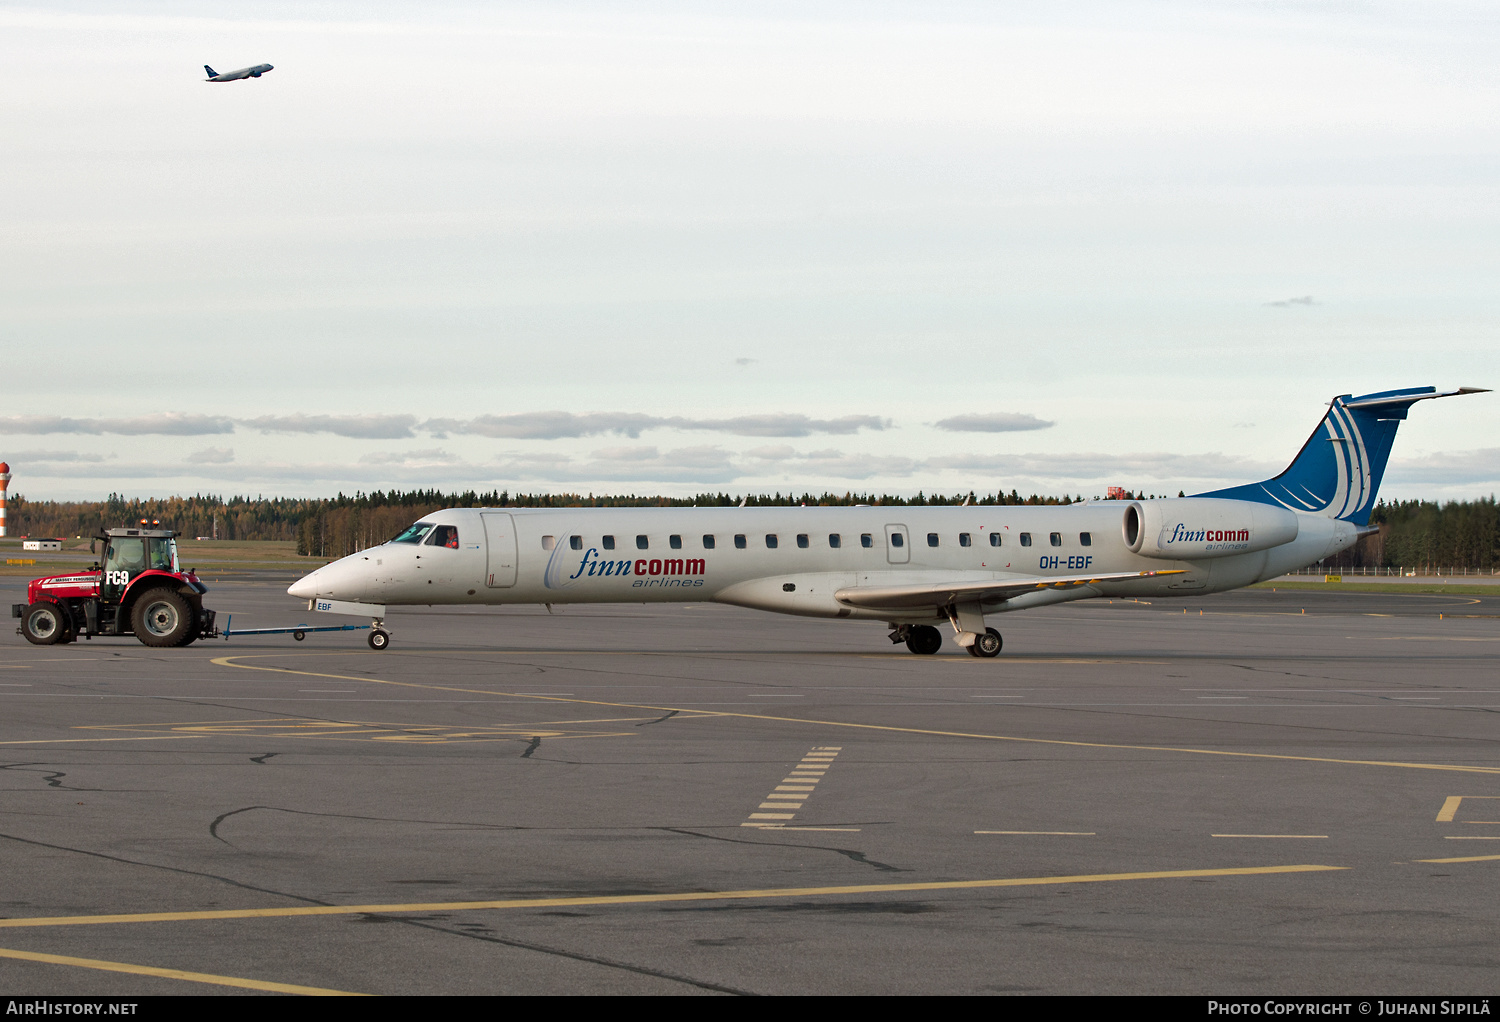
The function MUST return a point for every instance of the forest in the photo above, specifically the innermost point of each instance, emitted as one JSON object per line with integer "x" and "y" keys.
{"x": 1412, "y": 534}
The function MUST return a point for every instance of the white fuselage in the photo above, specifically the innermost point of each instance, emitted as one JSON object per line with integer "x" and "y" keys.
{"x": 783, "y": 559}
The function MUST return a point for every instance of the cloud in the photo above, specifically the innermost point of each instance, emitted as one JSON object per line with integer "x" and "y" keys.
{"x": 1091, "y": 467}
{"x": 745, "y": 361}
{"x": 412, "y": 459}
{"x": 567, "y": 425}
{"x": 363, "y": 427}
{"x": 20, "y": 459}
{"x": 211, "y": 456}
{"x": 839, "y": 465}
{"x": 628, "y": 466}
{"x": 992, "y": 422}
{"x": 784, "y": 459}
{"x": 163, "y": 424}
{"x": 780, "y": 452}
{"x": 783, "y": 425}
{"x": 1448, "y": 467}
{"x": 1287, "y": 303}
{"x": 547, "y": 425}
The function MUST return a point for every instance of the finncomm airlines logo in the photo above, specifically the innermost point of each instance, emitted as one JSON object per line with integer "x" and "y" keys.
{"x": 1182, "y": 534}
{"x": 644, "y": 572}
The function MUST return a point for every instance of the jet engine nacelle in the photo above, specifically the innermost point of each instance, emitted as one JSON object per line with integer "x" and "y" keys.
{"x": 1190, "y": 528}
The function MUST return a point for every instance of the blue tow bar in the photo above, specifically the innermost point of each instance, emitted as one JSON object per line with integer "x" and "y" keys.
{"x": 298, "y": 632}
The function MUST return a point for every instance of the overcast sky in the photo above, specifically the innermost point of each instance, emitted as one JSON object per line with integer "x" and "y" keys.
{"x": 668, "y": 247}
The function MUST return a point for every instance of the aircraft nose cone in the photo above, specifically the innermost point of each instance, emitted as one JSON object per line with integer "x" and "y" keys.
{"x": 304, "y": 588}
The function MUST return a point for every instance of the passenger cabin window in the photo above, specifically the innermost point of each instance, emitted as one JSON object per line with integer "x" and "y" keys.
{"x": 575, "y": 542}
{"x": 414, "y": 533}
{"x": 1026, "y": 539}
{"x": 641, "y": 543}
{"x": 675, "y": 542}
{"x": 964, "y": 540}
{"x": 833, "y": 540}
{"x": 739, "y": 541}
{"x": 548, "y": 542}
{"x": 866, "y": 540}
{"x": 897, "y": 539}
{"x": 1055, "y": 538}
{"x": 994, "y": 539}
{"x": 801, "y": 541}
{"x": 770, "y": 541}
{"x": 1085, "y": 539}
{"x": 708, "y": 542}
{"x": 609, "y": 542}
{"x": 932, "y": 539}
{"x": 444, "y": 536}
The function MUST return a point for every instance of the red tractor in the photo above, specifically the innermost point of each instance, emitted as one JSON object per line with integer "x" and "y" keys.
{"x": 139, "y": 590}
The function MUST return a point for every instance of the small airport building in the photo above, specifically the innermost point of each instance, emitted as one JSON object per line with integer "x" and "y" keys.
{"x": 41, "y": 544}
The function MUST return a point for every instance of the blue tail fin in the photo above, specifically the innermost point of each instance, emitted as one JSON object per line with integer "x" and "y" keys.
{"x": 1338, "y": 470}
{"x": 211, "y": 72}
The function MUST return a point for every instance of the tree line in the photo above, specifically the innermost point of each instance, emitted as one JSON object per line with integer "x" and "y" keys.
{"x": 1424, "y": 536}
{"x": 1414, "y": 534}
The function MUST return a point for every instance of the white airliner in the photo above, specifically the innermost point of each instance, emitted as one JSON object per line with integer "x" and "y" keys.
{"x": 910, "y": 567}
{"x": 234, "y": 76}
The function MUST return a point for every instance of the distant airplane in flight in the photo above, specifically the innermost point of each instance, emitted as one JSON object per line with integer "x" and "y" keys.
{"x": 234, "y": 76}
{"x": 911, "y": 567}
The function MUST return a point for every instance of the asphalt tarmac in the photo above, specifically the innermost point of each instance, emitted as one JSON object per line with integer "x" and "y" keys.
{"x": 1254, "y": 793}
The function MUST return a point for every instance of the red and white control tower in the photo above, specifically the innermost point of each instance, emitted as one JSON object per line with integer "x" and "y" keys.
{"x": 4, "y": 485}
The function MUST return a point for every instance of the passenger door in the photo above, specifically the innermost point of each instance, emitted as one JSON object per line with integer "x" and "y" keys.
{"x": 500, "y": 544}
{"x": 897, "y": 544}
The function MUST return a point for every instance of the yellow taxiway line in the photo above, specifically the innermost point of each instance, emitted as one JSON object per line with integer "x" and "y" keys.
{"x": 191, "y": 977}
{"x": 643, "y": 899}
{"x": 229, "y": 661}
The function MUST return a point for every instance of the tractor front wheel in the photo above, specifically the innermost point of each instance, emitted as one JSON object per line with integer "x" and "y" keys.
{"x": 45, "y": 623}
{"x": 162, "y": 617}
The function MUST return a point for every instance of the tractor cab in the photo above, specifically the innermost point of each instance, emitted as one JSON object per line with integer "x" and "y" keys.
{"x": 130, "y": 553}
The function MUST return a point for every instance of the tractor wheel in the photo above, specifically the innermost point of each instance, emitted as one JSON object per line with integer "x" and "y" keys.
{"x": 195, "y": 630}
{"x": 162, "y": 617}
{"x": 45, "y": 623}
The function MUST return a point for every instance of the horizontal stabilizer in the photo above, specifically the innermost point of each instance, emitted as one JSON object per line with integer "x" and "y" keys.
{"x": 986, "y": 591}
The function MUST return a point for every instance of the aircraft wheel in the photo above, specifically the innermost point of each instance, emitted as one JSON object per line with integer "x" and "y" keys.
{"x": 378, "y": 639}
{"x": 988, "y": 644}
{"x": 45, "y": 624}
{"x": 162, "y": 617}
{"x": 299, "y": 636}
{"x": 924, "y": 640}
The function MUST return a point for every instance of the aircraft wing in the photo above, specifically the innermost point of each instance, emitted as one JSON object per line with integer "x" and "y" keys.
{"x": 987, "y": 591}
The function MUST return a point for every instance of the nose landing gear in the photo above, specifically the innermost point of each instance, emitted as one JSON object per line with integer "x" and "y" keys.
{"x": 987, "y": 644}
{"x": 379, "y": 638}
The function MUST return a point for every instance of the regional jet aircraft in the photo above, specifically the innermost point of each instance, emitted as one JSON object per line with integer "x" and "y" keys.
{"x": 910, "y": 567}
{"x": 234, "y": 76}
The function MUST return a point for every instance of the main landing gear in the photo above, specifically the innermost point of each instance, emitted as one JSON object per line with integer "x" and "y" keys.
{"x": 924, "y": 640}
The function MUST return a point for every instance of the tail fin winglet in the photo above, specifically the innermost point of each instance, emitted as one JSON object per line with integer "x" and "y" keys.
{"x": 1338, "y": 471}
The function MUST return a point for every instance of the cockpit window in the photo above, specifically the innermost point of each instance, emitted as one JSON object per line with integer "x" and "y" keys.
{"x": 414, "y": 533}
{"x": 444, "y": 535}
